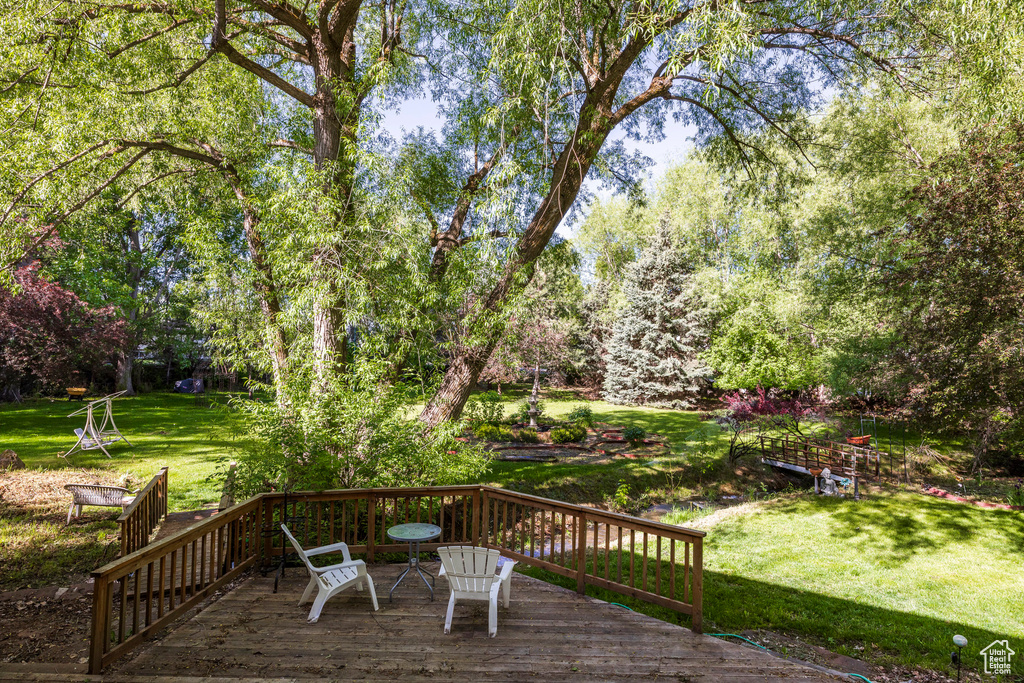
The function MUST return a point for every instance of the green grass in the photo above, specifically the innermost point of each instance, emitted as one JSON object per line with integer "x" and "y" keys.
{"x": 897, "y": 574}
{"x": 888, "y": 579}
{"x": 164, "y": 429}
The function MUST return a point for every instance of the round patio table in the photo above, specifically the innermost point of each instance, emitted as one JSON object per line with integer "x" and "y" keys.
{"x": 414, "y": 534}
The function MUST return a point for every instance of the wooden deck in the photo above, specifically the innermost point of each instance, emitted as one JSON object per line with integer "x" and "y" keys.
{"x": 548, "y": 633}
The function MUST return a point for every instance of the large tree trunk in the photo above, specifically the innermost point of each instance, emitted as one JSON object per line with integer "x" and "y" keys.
{"x": 334, "y": 135}
{"x": 266, "y": 288}
{"x": 125, "y": 370}
{"x": 597, "y": 117}
{"x": 571, "y": 168}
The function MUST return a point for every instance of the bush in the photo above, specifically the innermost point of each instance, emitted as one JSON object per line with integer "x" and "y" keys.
{"x": 354, "y": 435}
{"x": 634, "y": 435}
{"x": 483, "y": 409}
{"x": 494, "y": 433}
{"x": 528, "y": 435}
{"x": 568, "y": 434}
{"x": 583, "y": 415}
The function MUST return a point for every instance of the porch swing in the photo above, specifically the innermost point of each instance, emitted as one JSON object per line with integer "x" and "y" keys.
{"x": 92, "y": 437}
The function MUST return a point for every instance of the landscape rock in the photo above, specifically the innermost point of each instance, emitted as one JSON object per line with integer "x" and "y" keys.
{"x": 9, "y": 460}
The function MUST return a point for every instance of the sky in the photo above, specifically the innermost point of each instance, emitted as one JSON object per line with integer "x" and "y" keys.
{"x": 416, "y": 113}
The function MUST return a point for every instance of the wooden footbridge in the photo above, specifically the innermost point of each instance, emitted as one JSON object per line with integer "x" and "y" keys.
{"x": 809, "y": 456}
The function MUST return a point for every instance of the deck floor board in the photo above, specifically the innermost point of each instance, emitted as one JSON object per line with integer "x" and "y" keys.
{"x": 548, "y": 633}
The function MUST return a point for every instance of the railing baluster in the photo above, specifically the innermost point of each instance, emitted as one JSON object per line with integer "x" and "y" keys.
{"x": 217, "y": 549}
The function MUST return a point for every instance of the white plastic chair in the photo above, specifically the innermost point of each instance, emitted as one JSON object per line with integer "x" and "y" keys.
{"x": 471, "y": 576}
{"x": 332, "y": 579}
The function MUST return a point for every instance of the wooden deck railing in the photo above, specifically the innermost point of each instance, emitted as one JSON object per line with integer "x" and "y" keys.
{"x": 136, "y": 595}
{"x": 659, "y": 563}
{"x": 144, "y": 514}
{"x": 841, "y": 459}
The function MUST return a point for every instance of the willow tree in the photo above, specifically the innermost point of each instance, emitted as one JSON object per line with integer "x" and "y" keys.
{"x": 247, "y": 99}
{"x": 565, "y": 74}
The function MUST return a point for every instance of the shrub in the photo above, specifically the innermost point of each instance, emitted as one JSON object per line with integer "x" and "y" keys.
{"x": 494, "y": 433}
{"x": 568, "y": 433}
{"x": 485, "y": 408}
{"x": 486, "y": 432}
{"x": 634, "y": 435}
{"x": 528, "y": 435}
{"x": 1016, "y": 496}
{"x": 583, "y": 415}
{"x": 354, "y": 435}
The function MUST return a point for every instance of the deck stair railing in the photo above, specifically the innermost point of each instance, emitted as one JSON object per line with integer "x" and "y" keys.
{"x": 142, "y": 592}
{"x": 144, "y": 514}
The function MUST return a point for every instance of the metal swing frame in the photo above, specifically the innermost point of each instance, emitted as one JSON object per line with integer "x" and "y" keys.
{"x": 92, "y": 437}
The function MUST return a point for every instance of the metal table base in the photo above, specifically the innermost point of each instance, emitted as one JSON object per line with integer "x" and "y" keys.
{"x": 414, "y": 563}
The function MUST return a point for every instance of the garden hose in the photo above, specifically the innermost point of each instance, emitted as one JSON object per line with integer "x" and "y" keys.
{"x": 733, "y": 635}
{"x": 621, "y": 605}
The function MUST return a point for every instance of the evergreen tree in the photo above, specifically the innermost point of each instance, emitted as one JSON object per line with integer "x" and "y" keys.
{"x": 654, "y": 356}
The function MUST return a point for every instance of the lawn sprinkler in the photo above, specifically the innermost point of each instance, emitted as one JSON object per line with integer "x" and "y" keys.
{"x": 960, "y": 642}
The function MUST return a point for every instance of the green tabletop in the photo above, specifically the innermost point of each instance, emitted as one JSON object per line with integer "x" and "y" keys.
{"x": 410, "y": 533}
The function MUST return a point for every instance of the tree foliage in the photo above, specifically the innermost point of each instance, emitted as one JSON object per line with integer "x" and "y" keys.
{"x": 957, "y": 290}
{"x": 49, "y": 334}
{"x": 655, "y": 353}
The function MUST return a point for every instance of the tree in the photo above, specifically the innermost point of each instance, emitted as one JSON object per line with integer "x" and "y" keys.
{"x": 570, "y": 73}
{"x": 957, "y": 290}
{"x": 539, "y": 332}
{"x": 50, "y": 335}
{"x": 128, "y": 256}
{"x": 250, "y": 101}
{"x": 654, "y": 356}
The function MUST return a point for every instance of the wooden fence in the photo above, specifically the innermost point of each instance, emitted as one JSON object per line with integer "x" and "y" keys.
{"x": 842, "y": 459}
{"x": 659, "y": 563}
{"x": 144, "y": 514}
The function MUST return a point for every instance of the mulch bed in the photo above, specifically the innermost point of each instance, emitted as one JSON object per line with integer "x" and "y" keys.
{"x": 601, "y": 444}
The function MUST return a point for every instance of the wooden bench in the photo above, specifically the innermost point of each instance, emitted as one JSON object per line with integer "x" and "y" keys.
{"x": 97, "y": 494}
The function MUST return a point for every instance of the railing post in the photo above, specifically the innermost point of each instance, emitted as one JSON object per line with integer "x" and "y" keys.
{"x": 580, "y": 537}
{"x": 485, "y": 518}
{"x": 100, "y": 620}
{"x": 371, "y": 523}
{"x": 474, "y": 533}
{"x": 697, "y": 620}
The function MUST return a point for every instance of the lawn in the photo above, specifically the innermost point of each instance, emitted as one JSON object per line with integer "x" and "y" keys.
{"x": 36, "y": 548}
{"x": 164, "y": 429}
{"x": 888, "y": 579}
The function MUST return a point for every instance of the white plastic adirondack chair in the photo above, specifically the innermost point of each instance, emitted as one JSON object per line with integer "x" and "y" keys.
{"x": 332, "y": 579}
{"x": 471, "y": 576}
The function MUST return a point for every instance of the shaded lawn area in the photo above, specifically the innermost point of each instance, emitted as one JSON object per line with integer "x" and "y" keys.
{"x": 164, "y": 429}
{"x": 889, "y": 579}
{"x": 36, "y": 546}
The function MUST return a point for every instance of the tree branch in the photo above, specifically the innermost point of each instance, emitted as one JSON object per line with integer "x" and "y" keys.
{"x": 221, "y": 43}
{"x": 57, "y": 222}
{"x": 289, "y": 144}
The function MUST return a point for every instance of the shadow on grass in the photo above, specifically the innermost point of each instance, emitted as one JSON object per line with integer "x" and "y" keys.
{"x": 892, "y": 531}
{"x": 881, "y": 636}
